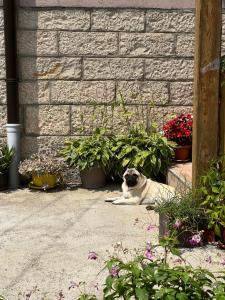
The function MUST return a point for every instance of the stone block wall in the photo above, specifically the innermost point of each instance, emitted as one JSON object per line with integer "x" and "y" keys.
{"x": 74, "y": 64}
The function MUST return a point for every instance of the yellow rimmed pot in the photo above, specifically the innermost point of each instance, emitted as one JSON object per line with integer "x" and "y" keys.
{"x": 44, "y": 182}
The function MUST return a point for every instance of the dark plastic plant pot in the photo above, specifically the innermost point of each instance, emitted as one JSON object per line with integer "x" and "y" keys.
{"x": 93, "y": 178}
{"x": 3, "y": 181}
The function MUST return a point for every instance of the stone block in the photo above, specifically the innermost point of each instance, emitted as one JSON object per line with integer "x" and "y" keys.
{"x": 181, "y": 93}
{"x": 129, "y": 116}
{"x": 185, "y": 45}
{"x": 118, "y": 68}
{"x": 139, "y": 92}
{"x": 118, "y": 20}
{"x": 47, "y": 120}
{"x": 41, "y": 144}
{"x": 86, "y": 118}
{"x": 2, "y": 43}
{"x": 169, "y": 69}
{"x": 34, "y": 92}
{"x": 3, "y": 119}
{"x": 75, "y": 92}
{"x": 161, "y": 21}
{"x": 50, "y": 68}
{"x": 223, "y": 45}
{"x": 2, "y": 92}
{"x": 147, "y": 44}
{"x": 161, "y": 115}
{"x": 60, "y": 19}
{"x": 88, "y": 43}
{"x": 2, "y": 67}
{"x": 1, "y": 19}
{"x": 37, "y": 43}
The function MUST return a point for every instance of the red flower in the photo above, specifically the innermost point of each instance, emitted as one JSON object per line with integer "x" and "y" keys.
{"x": 179, "y": 129}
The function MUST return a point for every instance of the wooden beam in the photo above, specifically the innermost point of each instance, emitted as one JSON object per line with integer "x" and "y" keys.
{"x": 206, "y": 85}
{"x": 222, "y": 117}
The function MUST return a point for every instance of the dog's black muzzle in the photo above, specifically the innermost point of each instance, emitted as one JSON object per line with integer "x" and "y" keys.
{"x": 131, "y": 180}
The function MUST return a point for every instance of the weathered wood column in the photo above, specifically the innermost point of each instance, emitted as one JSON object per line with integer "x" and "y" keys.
{"x": 222, "y": 121}
{"x": 206, "y": 85}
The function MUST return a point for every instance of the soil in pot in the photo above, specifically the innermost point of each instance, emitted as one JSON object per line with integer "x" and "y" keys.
{"x": 93, "y": 178}
{"x": 183, "y": 153}
{"x": 3, "y": 181}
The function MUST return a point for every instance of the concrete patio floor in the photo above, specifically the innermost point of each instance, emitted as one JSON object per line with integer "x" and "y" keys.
{"x": 45, "y": 239}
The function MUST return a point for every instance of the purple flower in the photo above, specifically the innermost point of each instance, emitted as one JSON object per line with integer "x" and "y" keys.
{"x": 148, "y": 252}
{"x": 177, "y": 224}
{"x": 92, "y": 255}
{"x": 151, "y": 227}
{"x": 195, "y": 239}
{"x": 114, "y": 271}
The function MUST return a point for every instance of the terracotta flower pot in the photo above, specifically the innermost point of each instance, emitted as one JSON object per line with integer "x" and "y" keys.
{"x": 209, "y": 236}
{"x": 183, "y": 153}
{"x": 93, "y": 178}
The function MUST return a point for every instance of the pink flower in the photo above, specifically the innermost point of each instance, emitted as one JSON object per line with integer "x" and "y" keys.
{"x": 223, "y": 262}
{"x": 148, "y": 252}
{"x": 114, "y": 271}
{"x": 92, "y": 255}
{"x": 177, "y": 224}
{"x": 195, "y": 239}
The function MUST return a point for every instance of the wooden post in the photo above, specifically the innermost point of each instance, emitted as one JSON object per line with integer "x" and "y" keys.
{"x": 206, "y": 85}
{"x": 222, "y": 120}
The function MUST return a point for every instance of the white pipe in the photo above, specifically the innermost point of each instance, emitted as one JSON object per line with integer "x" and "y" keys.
{"x": 13, "y": 141}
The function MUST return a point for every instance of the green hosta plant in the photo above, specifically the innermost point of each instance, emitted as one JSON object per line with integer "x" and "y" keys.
{"x": 212, "y": 191}
{"x": 6, "y": 156}
{"x": 87, "y": 152}
{"x": 150, "y": 153}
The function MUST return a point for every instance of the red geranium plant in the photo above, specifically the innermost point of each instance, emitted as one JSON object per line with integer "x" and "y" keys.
{"x": 179, "y": 129}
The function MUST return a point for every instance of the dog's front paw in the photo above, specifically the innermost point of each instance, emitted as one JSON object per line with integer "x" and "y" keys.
{"x": 117, "y": 202}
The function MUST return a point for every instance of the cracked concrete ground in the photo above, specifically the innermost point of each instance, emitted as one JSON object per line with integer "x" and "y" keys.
{"x": 45, "y": 239}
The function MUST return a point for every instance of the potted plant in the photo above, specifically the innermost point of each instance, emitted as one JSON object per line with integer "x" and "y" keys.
{"x": 149, "y": 152}
{"x": 45, "y": 171}
{"x": 179, "y": 130}
{"x": 183, "y": 216}
{"x": 6, "y": 156}
{"x": 92, "y": 156}
{"x": 212, "y": 193}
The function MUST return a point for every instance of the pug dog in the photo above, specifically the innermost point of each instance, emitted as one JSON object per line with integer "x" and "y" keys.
{"x": 138, "y": 189}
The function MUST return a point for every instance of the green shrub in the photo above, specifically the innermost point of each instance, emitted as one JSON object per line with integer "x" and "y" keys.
{"x": 6, "y": 156}
{"x": 183, "y": 208}
{"x": 212, "y": 193}
{"x": 150, "y": 153}
{"x": 87, "y": 152}
{"x": 146, "y": 277}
